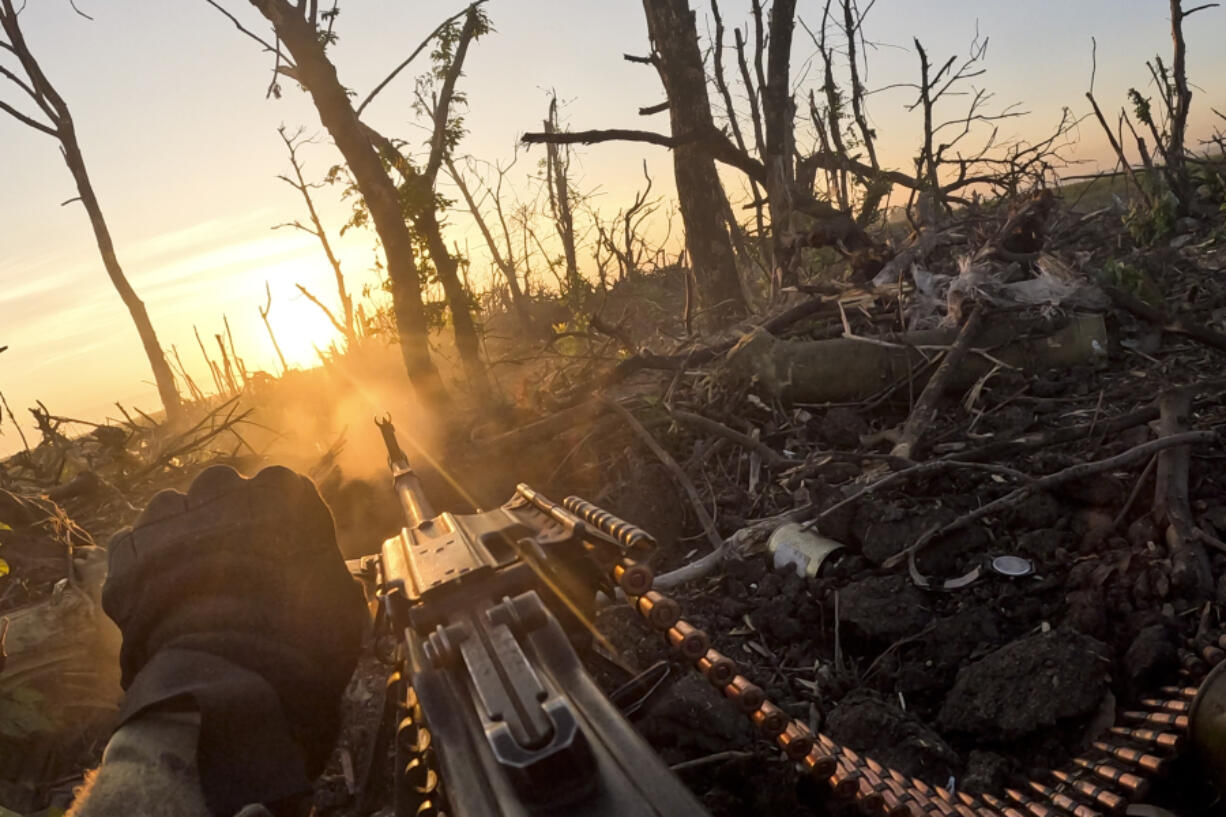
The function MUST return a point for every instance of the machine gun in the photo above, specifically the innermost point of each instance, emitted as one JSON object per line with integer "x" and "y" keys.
{"x": 496, "y": 714}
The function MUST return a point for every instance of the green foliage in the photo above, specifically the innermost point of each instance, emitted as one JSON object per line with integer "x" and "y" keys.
{"x": 1210, "y": 178}
{"x": 1130, "y": 278}
{"x": 1150, "y": 225}
{"x": 1141, "y": 107}
{"x": 325, "y": 32}
{"x": 570, "y": 343}
{"x": 1123, "y": 275}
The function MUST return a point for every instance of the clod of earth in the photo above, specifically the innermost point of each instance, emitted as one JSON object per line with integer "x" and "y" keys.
{"x": 692, "y": 719}
{"x": 1150, "y": 657}
{"x": 893, "y": 737}
{"x": 882, "y": 608}
{"x": 1033, "y": 683}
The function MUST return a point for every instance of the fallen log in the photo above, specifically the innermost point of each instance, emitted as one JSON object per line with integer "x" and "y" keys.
{"x": 1158, "y": 316}
{"x": 855, "y": 368}
{"x": 705, "y": 354}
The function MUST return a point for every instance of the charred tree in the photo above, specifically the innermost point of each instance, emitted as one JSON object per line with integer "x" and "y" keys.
{"x": 778, "y": 115}
{"x": 298, "y": 30}
{"x": 557, "y": 166}
{"x": 678, "y": 60}
{"x": 39, "y": 89}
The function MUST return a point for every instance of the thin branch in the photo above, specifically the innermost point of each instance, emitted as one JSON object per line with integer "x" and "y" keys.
{"x": 1078, "y": 471}
{"x": 38, "y": 98}
{"x": 91, "y": 19}
{"x": 769, "y": 456}
{"x": 33, "y": 123}
{"x": 396, "y": 71}
{"x": 666, "y": 459}
{"x": 337, "y": 325}
{"x": 714, "y": 141}
{"x": 446, "y": 95}
{"x": 249, "y": 32}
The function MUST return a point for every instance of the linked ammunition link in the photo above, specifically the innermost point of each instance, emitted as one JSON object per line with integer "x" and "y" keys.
{"x": 1102, "y": 782}
{"x": 630, "y": 536}
{"x": 416, "y": 784}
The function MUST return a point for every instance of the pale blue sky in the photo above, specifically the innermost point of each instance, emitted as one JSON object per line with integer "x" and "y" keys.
{"x": 169, "y": 103}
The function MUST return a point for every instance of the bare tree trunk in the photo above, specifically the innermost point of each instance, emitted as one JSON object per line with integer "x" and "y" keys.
{"x": 53, "y": 107}
{"x": 721, "y": 84}
{"x": 557, "y": 168}
{"x": 162, "y": 375}
{"x": 852, "y": 19}
{"x": 678, "y": 60}
{"x": 778, "y": 113}
{"x": 467, "y": 342}
{"x": 1183, "y": 94}
{"x": 318, "y": 76}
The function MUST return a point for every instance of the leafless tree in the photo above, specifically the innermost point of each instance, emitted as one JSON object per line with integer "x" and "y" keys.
{"x": 622, "y": 238}
{"x": 344, "y": 323}
{"x": 557, "y": 183}
{"x": 696, "y": 143}
{"x": 264, "y": 310}
{"x": 502, "y": 254}
{"x": 54, "y": 119}
{"x": 1167, "y": 125}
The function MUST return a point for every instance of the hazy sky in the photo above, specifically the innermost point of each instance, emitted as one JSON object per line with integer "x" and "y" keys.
{"x": 169, "y": 104}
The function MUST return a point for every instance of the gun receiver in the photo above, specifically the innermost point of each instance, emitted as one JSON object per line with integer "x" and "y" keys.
{"x": 493, "y": 694}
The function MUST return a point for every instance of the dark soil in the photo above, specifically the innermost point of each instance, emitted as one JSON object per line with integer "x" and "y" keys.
{"x": 983, "y": 685}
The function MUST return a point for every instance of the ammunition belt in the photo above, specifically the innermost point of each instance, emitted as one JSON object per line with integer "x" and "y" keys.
{"x": 1103, "y": 781}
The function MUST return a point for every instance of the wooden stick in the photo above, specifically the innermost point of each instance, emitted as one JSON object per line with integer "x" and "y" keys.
{"x": 704, "y": 518}
{"x": 209, "y": 362}
{"x": 1190, "y": 569}
{"x": 925, "y": 411}
{"x": 1018, "y": 495}
{"x": 769, "y": 455}
{"x": 917, "y": 470}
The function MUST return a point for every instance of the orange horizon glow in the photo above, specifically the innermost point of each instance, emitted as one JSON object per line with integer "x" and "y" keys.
{"x": 184, "y": 160}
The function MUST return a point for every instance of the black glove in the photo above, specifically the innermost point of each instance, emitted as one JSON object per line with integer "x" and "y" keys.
{"x": 234, "y": 601}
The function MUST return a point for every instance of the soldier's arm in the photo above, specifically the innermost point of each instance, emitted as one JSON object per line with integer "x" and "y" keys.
{"x": 149, "y": 768}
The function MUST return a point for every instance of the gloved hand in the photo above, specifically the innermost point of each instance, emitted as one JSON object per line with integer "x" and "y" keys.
{"x": 234, "y": 601}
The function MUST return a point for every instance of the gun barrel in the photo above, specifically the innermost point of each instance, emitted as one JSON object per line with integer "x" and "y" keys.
{"x": 413, "y": 501}
{"x": 409, "y": 491}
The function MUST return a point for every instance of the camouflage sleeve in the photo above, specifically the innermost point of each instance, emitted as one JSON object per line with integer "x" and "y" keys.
{"x": 149, "y": 768}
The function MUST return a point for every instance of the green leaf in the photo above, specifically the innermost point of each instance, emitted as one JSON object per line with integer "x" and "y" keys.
{"x": 4, "y": 526}
{"x": 4, "y": 568}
